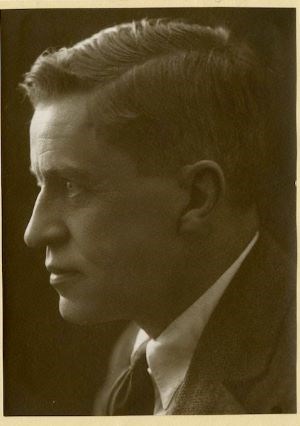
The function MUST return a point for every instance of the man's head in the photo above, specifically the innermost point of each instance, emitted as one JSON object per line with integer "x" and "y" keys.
{"x": 147, "y": 140}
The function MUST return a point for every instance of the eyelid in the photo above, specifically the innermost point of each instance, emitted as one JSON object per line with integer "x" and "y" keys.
{"x": 78, "y": 187}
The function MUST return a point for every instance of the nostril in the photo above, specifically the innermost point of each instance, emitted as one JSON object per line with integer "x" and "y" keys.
{"x": 42, "y": 234}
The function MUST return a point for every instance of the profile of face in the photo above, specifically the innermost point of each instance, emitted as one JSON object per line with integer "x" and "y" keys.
{"x": 110, "y": 235}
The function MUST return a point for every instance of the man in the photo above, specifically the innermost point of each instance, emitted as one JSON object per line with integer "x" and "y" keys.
{"x": 148, "y": 144}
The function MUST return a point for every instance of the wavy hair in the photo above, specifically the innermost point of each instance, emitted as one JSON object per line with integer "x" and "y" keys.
{"x": 170, "y": 93}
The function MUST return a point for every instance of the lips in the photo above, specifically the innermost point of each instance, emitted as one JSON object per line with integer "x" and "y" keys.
{"x": 61, "y": 275}
{"x": 63, "y": 278}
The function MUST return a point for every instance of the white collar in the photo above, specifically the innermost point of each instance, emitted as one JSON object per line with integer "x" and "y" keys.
{"x": 169, "y": 355}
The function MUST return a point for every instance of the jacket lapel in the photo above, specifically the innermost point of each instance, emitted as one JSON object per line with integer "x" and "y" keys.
{"x": 239, "y": 340}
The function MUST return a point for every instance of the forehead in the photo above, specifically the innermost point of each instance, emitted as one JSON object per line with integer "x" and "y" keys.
{"x": 60, "y": 117}
{"x": 62, "y": 134}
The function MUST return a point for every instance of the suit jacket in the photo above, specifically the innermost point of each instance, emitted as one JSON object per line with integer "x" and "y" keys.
{"x": 245, "y": 360}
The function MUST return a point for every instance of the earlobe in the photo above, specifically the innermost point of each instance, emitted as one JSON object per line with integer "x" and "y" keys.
{"x": 205, "y": 183}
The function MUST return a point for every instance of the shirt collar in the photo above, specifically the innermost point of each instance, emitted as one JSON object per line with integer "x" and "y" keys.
{"x": 169, "y": 355}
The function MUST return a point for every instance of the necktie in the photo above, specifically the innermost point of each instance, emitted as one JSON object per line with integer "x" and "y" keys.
{"x": 133, "y": 392}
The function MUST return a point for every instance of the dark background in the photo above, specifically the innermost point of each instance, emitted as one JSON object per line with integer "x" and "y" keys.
{"x": 52, "y": 367}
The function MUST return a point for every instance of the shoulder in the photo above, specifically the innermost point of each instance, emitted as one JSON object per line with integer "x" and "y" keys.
{"x": 248, "y": 349}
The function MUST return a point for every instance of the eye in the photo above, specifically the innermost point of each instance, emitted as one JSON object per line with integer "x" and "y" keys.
{"x": 72, "y": 188}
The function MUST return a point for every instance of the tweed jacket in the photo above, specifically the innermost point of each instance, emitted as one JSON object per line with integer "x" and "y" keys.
{"x": 245, "y": 360}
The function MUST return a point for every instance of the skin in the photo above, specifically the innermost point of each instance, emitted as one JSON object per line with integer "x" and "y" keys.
{"x": 120, "y": 245}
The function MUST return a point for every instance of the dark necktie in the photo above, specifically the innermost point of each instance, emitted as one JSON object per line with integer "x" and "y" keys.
{"x": 133, "y": 392}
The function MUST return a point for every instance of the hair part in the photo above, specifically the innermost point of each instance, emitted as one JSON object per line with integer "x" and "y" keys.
{"x": 170, "y": 93}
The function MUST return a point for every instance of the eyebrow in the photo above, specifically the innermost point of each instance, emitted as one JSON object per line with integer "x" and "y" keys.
{"x": 65, "y": 171}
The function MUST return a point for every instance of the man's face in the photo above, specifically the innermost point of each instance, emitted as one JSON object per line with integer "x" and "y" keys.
{"x": 112, "y": 246}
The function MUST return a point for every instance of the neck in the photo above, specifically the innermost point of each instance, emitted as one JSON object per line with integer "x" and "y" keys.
{"x": 205, "y": 262}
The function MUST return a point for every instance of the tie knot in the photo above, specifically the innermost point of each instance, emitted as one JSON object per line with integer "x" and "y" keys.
{"x": 133, "y": 392}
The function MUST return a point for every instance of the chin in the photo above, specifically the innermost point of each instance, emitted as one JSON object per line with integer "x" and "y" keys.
{"x": 78, "y": 313}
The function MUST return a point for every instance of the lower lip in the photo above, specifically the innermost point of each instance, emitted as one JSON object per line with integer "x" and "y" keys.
{"x": 68, "y": 277}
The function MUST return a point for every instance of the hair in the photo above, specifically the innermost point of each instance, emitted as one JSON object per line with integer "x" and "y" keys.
{"x": 170, "y": 93}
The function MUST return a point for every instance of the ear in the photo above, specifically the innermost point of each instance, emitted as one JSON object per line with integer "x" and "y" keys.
{"x": 205, "y": 183}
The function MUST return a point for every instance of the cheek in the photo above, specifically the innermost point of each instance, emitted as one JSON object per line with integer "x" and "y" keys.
{"x": 126, "y": 230}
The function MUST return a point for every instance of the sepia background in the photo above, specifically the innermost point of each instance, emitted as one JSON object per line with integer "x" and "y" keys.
{"x": 52, "y": 367}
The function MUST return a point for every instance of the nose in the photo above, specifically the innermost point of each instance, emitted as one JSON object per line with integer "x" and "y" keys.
{"x": 46, "y": 226}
